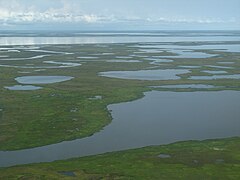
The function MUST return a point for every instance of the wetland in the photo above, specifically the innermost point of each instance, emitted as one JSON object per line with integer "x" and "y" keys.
{"x": 114, "y": 93}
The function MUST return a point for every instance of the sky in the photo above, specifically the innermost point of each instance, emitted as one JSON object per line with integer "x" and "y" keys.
{"x": 120, "y": 14}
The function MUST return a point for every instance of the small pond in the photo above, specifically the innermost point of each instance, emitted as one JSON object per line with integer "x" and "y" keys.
{"x": 183, "y": 86}
{"x": 23, "y": 88}
{"x": 214, "y": 72}
{"x": 42, "y": 79}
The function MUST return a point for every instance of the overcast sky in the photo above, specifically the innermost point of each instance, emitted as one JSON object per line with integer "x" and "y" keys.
{"x": 119, "y": 14}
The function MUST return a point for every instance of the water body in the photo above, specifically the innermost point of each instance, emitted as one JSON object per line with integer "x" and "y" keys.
{"x": 47, "y": 51}
{"x": 231, "y": 76}
{"x": 215, "y": 47}
{"x": 221, "y": 47}
{"x": 63, "y": 64}
{"x": 214, "y": 72}
{"x": 123, "y": 57}
{"x": 124, "y": 61}
{"x": 88, "y": 57}
{"x": 42, "y": 79}
{"x": 159, "y": 74}
{"x": 220, "y": 67}
{"x": 23, "y": 88}
{"x": 188, "y": 54}
{"x": 157, "y": 60}
{"x": 183, "y": 86}
{"x": 27, "y": 58}
{"x": 110, "y": 39}
{"x": 226, "y": 62}
{"x": 148, "y": 121}
{"x": 190, "y": 67}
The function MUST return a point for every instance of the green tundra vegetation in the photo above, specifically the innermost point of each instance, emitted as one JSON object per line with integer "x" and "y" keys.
{"x": 209, "y": 159}
{"x": 67, "y": 110}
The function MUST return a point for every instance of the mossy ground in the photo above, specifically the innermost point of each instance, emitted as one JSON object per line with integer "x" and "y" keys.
{"x": 63, "y": 111}
{"x": 209, "y": 159}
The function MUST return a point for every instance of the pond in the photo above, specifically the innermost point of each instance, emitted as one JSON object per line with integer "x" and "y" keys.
{"x": 231, "y": 76}
{"x": 42, "y": 79}
{"x": 158, "y": 118}
{"x": 183, "y": 86}
{"x": 159, "y": 74}
{"x": 23, "y": 88}
{"x": 124, "y": 61}
{"x": 214, "y": 72}
{"x": 182, "y": 53}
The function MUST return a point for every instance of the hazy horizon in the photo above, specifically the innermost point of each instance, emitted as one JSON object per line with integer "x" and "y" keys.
{"x": 125, "y": 15}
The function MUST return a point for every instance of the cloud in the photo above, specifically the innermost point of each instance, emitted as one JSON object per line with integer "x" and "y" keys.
{"x": 67, "y": 11}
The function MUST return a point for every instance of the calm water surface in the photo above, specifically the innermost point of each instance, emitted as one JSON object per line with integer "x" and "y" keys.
{"x": 159, "y": 74}
{"x": 23, "y": 88}
{"x": 109, "y": 39}
{"x": 158, "y": 118}
{"x": 42, "y": 79}
{"x": 231, "y": 76}
{"x": 183, "y": 86}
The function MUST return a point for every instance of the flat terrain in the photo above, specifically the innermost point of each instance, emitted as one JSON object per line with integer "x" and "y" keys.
{"x": 67, "y": 110}
{"x": 209, "y": 159}
{"x": 77, "y": 108}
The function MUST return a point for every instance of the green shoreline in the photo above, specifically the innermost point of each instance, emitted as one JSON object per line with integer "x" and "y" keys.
{"x": 37, "y": 118}
{"x": 65, "y": 111}
{"x": 208, "y": 159}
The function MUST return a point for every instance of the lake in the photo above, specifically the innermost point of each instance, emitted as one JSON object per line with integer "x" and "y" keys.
{"x": 159, "y": 74}
{"x": 16, "y": 38}
{"x": 157, "y": 118}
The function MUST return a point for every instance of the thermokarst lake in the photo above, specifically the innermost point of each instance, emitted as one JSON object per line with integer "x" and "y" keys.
{"x": 98, "y": 93}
